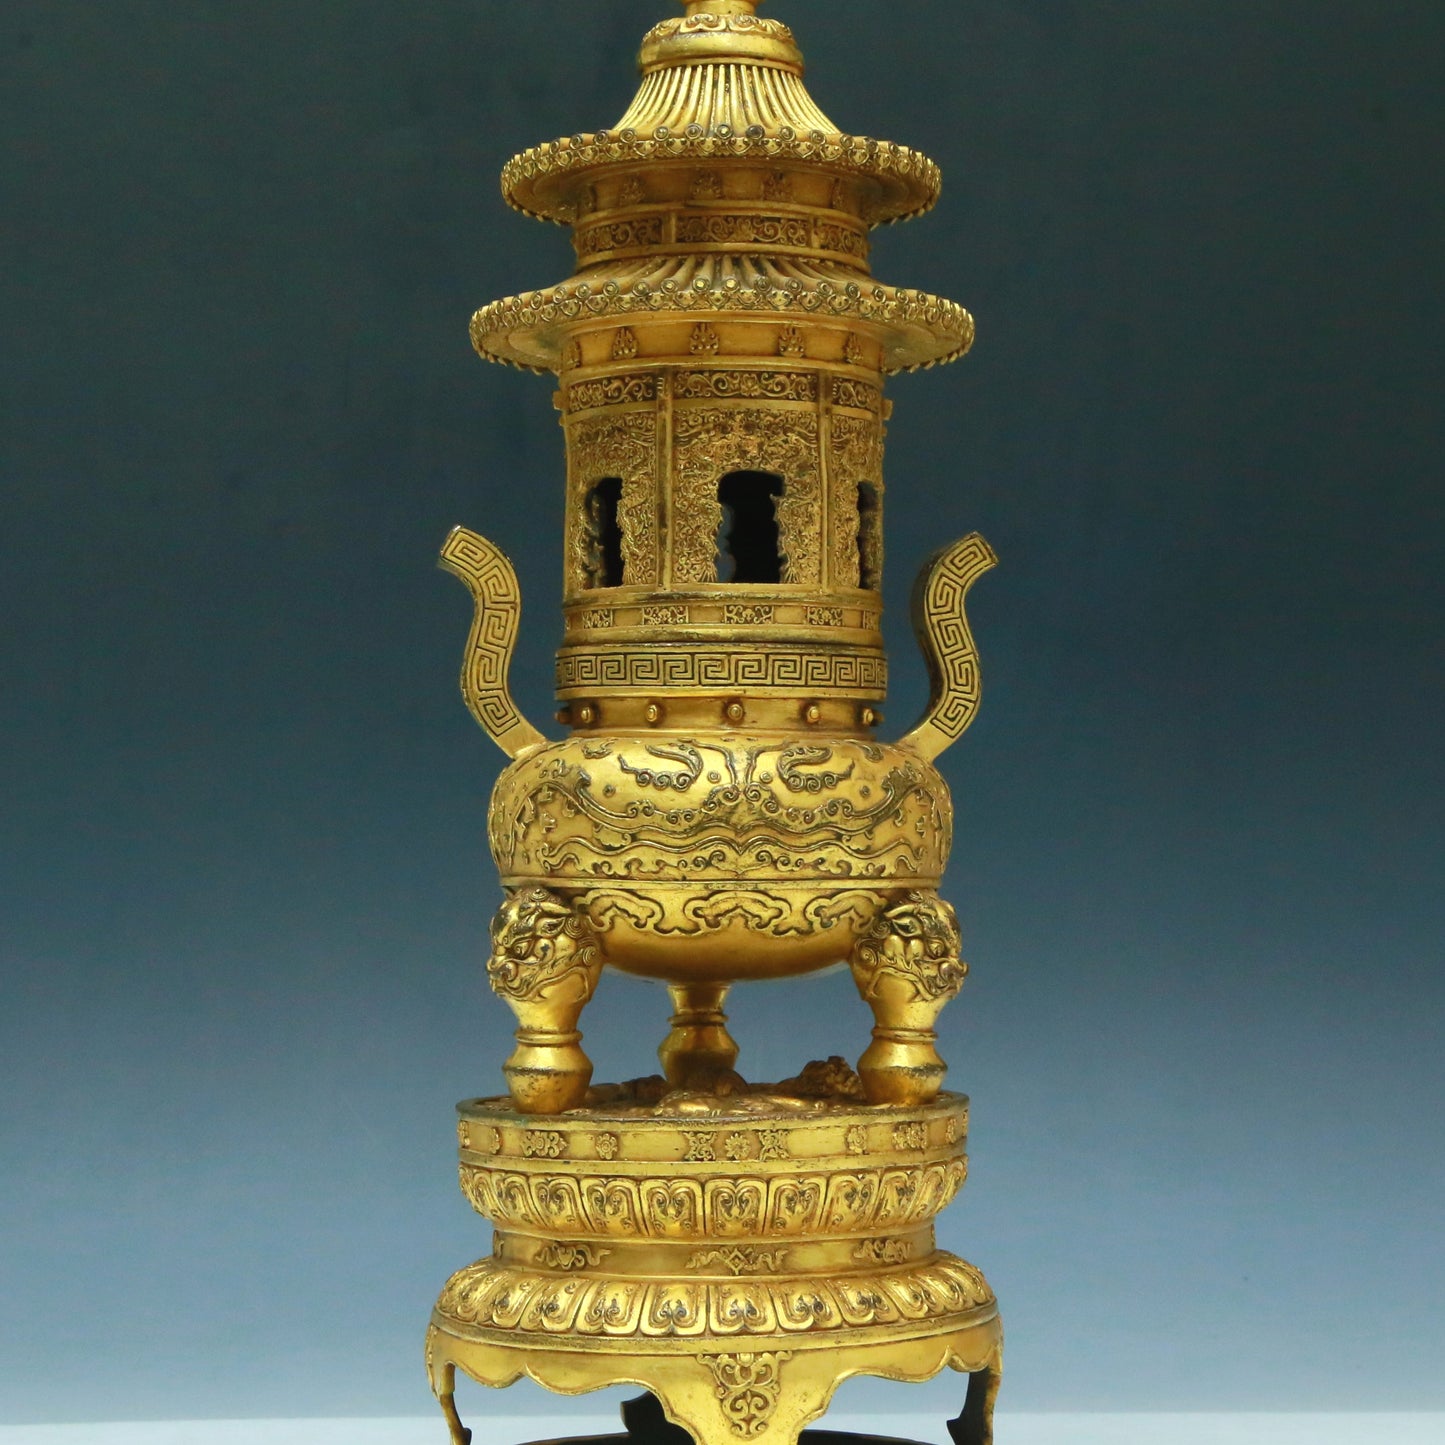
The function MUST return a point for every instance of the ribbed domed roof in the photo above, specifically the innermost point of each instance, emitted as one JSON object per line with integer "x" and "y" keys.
{"x": 740, "y": 98}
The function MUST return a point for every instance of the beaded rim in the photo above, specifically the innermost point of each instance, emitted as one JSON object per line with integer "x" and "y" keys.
{"x": 927, "y": 330}
{"x": 532, "y": 180}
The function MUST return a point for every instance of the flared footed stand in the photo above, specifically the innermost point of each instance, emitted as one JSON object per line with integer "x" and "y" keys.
{"x": 647, "y": 1421}
{"x": 647, "y": 1424}
{"x": 737, "y": 1257}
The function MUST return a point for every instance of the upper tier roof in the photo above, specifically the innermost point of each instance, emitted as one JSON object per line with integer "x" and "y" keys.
{"x": 714, "y": 86}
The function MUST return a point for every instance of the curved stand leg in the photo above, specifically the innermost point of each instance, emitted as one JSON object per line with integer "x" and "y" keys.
{"x": 445, "y": 1383}
{"x": 974, "y": 1425}
{"x": 646, "y": 1423}
{"x": 907, "y": 967}
{"x": 699, "y": 1051}
{"x": 545, "y": 962}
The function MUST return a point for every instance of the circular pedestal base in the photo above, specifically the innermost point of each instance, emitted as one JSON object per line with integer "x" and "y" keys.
{"x": 738, "y": 1259}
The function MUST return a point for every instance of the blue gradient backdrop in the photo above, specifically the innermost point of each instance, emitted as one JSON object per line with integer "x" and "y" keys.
{"x": 245, "y": 886}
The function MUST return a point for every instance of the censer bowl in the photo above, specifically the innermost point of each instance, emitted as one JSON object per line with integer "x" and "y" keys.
{"x": 738, "y": 857}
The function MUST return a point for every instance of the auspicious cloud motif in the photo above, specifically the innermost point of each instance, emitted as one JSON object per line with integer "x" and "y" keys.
{"x": 747, "y": 1386}
{"x": 734, "y": 1209}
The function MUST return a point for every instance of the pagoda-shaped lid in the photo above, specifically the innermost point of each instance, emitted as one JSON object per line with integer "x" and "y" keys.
{"x": 719, "y": 82}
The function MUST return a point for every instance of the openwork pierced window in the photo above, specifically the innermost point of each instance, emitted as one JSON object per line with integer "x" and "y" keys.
{"x": 604, "y": 567}
{"x": 870, "y": 537}
{"x": 748, "y": 545}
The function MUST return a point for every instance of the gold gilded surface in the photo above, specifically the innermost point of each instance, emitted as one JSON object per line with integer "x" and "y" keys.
{"x": 722, "y": 807}
{"x": 739, "y": 1259}
{"x": 488, "y": 575}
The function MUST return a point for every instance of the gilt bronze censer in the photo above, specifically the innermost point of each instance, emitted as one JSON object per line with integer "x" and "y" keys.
{"x": 723, "y": 808}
